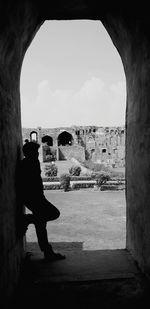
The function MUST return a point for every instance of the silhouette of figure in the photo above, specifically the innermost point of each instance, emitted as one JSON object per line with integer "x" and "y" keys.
{"x": 32, "y": 196}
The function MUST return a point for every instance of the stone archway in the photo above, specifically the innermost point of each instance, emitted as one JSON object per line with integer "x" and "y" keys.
{"x": 48, "y": 140}
{"x": 34, "y": 136}
{"x": 48, "y": 152}
{"x": 65, "y": 138}
{"x": 129, "y": 31}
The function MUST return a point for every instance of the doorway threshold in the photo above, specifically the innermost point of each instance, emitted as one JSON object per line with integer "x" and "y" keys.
{"x": 80, "y": 265}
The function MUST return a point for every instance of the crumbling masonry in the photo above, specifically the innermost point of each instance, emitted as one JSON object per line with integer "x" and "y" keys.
{"x": 100, "y": 144}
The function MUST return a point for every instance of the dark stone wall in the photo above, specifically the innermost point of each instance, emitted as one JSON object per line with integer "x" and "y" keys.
{"x": 16, "y": 29}
{"x": 138, "y": 151}
{"x": 132, "y": 39}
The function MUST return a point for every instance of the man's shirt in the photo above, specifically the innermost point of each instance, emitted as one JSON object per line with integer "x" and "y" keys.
{"x": 31, "y": 185}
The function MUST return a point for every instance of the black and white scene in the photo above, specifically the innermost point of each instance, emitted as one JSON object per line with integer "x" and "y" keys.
{"x": 74, "y": 154}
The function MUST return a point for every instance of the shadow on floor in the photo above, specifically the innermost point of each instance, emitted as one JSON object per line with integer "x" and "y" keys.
{"x": 85, "y": 279}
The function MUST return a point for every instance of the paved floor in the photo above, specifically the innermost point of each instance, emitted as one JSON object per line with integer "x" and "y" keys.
{"x": 81, "y": 265}
{"x": 86, "y": 279}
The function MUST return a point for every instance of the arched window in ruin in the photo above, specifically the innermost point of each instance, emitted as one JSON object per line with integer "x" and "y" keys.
{"x": 78, "y": 132}
{"x": 33, "y": 136}
{"x": 65, "y": 138}
{"x": 47, "y": 140}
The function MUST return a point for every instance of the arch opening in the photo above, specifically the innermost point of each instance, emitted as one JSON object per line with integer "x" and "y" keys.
{"x": 65, "y": 138}
{"x": 48, "y": 140}
{"x": 90, "y": 138}
{"x": 34, "y": 136}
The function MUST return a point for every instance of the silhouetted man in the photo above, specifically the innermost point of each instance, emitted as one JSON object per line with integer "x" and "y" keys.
{"x": 32, "y": 196}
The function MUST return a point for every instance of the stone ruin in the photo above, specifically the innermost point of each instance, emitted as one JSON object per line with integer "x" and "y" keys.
{"x": 104, "y": 145}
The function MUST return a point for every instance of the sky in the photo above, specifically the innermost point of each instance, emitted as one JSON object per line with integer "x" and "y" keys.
{"x": 72, "y": 74}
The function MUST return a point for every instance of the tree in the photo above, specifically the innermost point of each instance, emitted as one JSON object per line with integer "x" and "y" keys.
{"x": 101, "y": 178}
{"x": 65, "y": 181}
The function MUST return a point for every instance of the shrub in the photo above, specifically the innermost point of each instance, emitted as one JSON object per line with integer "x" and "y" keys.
{"x": 84, "y": 185}
{"x": 73, "y": 178}
{"x": 49, "y": 158}
{"x": 65, "y": 181}
{"x": 53, "y": 186}
{"x": 79, "y": 178}
{"x": 94, "y": 174}
{"x": 50, "y": 179}
{"x": 75, "y": 170}
{"x": 50, "y": 170}
{"x": 101, "y": 178}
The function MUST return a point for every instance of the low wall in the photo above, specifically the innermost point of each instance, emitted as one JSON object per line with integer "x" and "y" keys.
{"x": 112, "y": 185}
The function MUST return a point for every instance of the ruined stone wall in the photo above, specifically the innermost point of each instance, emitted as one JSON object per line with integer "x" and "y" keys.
{"x": 68, "y": 152}
{"x": 54, "y": 133}
{"x": 102, "y": 144}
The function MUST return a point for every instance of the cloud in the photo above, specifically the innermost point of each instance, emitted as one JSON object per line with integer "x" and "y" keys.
{"x": 95, "y": 103}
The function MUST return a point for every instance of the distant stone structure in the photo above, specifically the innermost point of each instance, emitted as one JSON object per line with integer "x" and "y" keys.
{"x": 100, "y": 144}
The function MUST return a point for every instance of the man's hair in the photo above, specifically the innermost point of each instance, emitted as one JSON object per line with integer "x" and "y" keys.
{"x": 29, "y": 148}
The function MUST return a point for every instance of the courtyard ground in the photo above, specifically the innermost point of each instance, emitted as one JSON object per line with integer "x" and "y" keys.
{"x": 97, "y": 219}
{"x": 98, "y": 271}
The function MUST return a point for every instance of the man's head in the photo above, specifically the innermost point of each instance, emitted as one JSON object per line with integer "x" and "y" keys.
{"x": 30, "y": 149}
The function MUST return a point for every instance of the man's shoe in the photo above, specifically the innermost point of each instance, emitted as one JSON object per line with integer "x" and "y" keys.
{"x": 52, "y": 256}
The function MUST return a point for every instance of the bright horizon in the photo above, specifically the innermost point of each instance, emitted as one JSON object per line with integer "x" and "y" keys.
{"x": 72, "y": 75}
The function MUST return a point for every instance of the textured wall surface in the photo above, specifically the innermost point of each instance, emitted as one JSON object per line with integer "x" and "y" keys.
{"x": 138, "y": 154}
{"x": 16, "y": 29}
{"x": 69, "y": 152}
{"x": 93, "y": 139}
{"x": 132, "y": 39}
